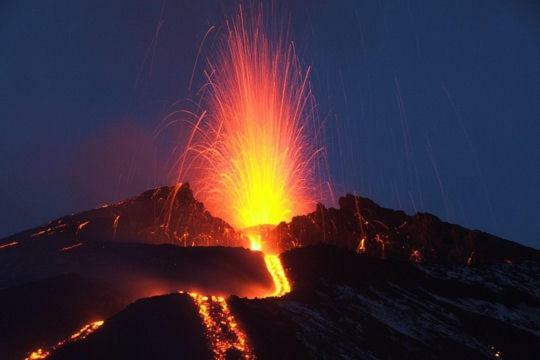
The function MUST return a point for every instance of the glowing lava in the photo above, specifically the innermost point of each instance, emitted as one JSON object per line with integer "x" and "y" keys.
{"x": 222, "y": 330}
{"x": 79, "y": 335}
{"x": 275, "y": 268}
{"x": 252, "y": 151}
{"x": 68, "y": 248}
{"x": 13, "y": 243}
{"x": 273, "y": 265}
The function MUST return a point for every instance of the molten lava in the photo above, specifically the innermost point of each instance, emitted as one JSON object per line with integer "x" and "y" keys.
{"x": 275, "y": 268}
{"x": 222, "y": 330}
{"x": 68, "y": 248}
{"x": 79, "y": 335}
{"x": 13, "y": 243}
{"x": 253, "y": 149}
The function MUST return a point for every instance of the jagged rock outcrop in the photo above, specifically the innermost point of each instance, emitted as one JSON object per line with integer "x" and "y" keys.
{"x": 382, "y": 285}
{"x": 166, "y": 215}
{"x": 362, "y": 225}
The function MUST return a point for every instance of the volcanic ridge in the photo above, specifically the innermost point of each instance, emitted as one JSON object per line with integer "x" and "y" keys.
{"x": 359, "y": 281}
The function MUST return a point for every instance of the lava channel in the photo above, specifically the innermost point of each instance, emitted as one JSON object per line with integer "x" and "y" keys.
{"x": 222, "y": 329}
{"x": 79, "y": 335}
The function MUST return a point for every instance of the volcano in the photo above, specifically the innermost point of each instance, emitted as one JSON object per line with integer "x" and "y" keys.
{"x": 364, "y": 282}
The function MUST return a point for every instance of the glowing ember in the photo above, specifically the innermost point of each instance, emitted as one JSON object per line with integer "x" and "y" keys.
{"x": 253, "y": 150}
{"x": 416, "y": 256}
{"x": 13, "y": 243}
{"x": 222, "y": 330}
{"x": 115, "y": 224}
{"x": 79, "y": 335}
{"x": 39, "y": 354}
{"x": 51, "y": 230}
{"x": 67, "y": 248}
{"x": 361, "y": 248}
{"x": 81, "y": 226}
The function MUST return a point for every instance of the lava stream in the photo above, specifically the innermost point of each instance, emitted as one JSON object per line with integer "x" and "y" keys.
{"x": 222, "y": 330}
{"x": 275, "y": 268}
{"x": 79, "y": 335}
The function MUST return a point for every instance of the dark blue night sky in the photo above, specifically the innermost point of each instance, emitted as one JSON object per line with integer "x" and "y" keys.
{"x": 428, "y": 105}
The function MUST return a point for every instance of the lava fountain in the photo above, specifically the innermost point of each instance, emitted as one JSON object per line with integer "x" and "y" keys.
{"x": 252, "y": 153}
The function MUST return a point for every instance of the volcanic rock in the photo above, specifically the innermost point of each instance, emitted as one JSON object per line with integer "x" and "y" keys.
{"x": 347, "y": 305}
{"x": 362, "y": 225}
{"x": 37, "y": 314}
{"x": 166, "y": 215}
{"x": 163, "y": 327}
{"x": 367, "y": 283}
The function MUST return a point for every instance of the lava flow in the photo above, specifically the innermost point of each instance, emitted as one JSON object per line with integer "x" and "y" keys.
{"x": 222, "y": 330}
{"x": 275, "y": 268}
{"x": 79, "y": 335}
{"x": 251, "y": 153}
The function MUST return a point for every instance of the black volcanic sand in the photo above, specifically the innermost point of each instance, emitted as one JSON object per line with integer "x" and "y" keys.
{"x": 161, "y": 327}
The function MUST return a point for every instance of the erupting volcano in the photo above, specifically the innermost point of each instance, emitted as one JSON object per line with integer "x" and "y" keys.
{"x": 253, "y": 153}
{"x": 240, "y": 259}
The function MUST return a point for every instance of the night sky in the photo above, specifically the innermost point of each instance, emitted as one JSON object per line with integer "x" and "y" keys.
{"x": 427, "y": 105}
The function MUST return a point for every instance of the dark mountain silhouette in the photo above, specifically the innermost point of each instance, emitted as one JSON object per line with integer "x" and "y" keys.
{"x": 367, "y": 282}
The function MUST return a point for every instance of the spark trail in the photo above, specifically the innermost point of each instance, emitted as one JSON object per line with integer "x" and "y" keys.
{"x": 253, "y": 152}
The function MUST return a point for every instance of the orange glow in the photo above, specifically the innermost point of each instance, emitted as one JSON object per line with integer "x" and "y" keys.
{"x": 38, "y": 354}
{"x": 252, "y": 151}
{"x": 222, "y": 329}
{"x": 67, "y": 248}
{"x": 275, "y": 268}
{"x": 13, "y": 243}
{"x": 60, "y": 227}
{"x": 81, "y": 226}
{"x": 79, "y": 335}
{"x": 361, "y": 248}
{"x": 115, "y": 224}
{"x": 255, "y": 242}
{"x": 416, "y": 256}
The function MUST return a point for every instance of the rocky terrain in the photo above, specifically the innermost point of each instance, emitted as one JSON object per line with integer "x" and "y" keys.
{"x": 367, "y": 283}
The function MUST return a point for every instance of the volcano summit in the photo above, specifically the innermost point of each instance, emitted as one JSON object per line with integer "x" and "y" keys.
{"x": 365, "y": 282}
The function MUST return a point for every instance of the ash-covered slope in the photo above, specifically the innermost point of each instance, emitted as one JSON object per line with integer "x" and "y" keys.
{"x": 346, "y": 305}
{"x": 162, "y": 327}
{"x": 362, "y": 225}
{"x": 48, "y": 294}
{"x": 385, "y": 285}
{"x": 38, "y": 314}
